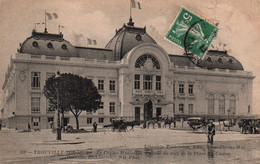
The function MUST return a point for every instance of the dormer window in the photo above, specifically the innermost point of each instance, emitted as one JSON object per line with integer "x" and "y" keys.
{"x": 230, "y": 61}
{"x": 209, "y": 59}
{"x": 138, "y": 37}
{"x": 35, "y": 44}
{"x": 219, "y": 60}
{"x": 49, "y": 45}
{"x": 64, "y": 47}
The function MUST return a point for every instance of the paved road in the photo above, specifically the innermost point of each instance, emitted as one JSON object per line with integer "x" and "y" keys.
{"x": 140, "y": 146}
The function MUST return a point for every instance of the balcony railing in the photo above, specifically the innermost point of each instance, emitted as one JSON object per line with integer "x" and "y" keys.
{"x": 191, "y": 95}
{"x": 182, "y": 95}
{"x": 147, "y": 92}
{"x": 50, "y": 111}
{"x": 35, "y": 112}
{"x": 112, "y": 113}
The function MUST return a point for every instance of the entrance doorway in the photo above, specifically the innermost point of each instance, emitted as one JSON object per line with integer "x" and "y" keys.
{"x": 148, "y": 110}
{"x": 66, "y": 121}
{"x": 137, "y": 113}
{"x": 158, "y": 113}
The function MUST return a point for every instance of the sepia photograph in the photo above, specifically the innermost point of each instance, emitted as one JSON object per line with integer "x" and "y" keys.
{"x": 129, "y": 81}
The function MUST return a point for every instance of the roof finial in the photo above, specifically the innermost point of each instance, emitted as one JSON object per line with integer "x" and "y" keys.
{"x": 132, "y": 4}
{"x": 130, "y": 23}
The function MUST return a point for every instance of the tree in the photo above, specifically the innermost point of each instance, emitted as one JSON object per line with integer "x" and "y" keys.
{"x": 76, "y": 94}
{"x": 51, "y": 89}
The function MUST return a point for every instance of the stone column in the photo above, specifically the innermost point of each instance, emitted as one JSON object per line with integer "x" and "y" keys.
{"x": 142, "y": 113}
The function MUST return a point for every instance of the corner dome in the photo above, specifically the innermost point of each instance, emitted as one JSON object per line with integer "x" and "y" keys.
{"x": 48, "y": 44}
{"x": 126, "y": 38}
{"x": 220, "y": 60}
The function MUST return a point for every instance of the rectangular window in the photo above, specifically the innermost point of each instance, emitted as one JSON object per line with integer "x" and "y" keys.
{"x": 35, "y": 104}
{"x": 137, "y": 81}
{"x": 36, "y": 80}
{"x": 181, "y": 108}
{"x": 190, "y": 90}
{"x": 158, "y": 83}
{"x": 89, "y": 120}
{"x": 101, "y": 106}
{"x": 101, "y": 85}
{"x": 49, "y": 74}
{"x": 48, "y": 108}
{"x": 181, "y": 88}
{"x": 174, "y": 89}
{"x": 50, "y": 119}
{"x": 112, "y": 85}
{"x": 35, "y": 121}
{"x": 100, "y": 120}
{"x": 190, "y": 108}
{"x": 112, "y": 107}
{"x": 148, "y": 82}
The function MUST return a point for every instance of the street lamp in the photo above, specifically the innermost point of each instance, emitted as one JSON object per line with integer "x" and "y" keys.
{"x": 58, "y": 109}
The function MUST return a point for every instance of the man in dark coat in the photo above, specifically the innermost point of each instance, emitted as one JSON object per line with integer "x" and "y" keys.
{"x": 95, "y": 127}
{"x": 210, "y": 132}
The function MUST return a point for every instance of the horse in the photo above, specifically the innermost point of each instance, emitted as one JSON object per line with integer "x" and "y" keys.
{"x": 168, "y": 121}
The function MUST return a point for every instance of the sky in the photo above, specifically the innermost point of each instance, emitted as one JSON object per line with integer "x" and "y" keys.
{"x": 239, "y": 24}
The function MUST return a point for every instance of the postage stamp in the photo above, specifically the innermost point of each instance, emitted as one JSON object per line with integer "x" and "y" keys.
{"x": 192, "y": 33}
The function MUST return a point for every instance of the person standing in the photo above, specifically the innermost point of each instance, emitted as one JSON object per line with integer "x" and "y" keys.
{"x": 29, "y": 127}
{"x": 210, "y": 132}
{"x": 95, "y": 127}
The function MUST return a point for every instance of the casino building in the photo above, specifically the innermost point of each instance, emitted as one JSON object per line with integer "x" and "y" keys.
{"x": 136, "y": 77}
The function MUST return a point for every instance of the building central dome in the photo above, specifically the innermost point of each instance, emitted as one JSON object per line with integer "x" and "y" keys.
{"x": 126, "y": 38}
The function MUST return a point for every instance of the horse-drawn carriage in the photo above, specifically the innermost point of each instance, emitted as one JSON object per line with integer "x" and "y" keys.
{"x": 196, "y": 122}
{"x": 121, "y": 125}
{"x": 250, "y": 126}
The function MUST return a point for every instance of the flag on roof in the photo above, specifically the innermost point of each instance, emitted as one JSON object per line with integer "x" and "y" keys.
{"x": 55, "y": 15}
{"x": 49, "y": 16}
{"x": 139, "y": 5}
{"x": 133, "y": 5}
{"x": 89, "y": 41}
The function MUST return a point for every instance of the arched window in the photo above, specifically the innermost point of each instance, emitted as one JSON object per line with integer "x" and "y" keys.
{"x": 35, "y": 44}
{"x": 211, "y": 104}
{"x": 221, "y": 104}
{"x": 147, "y": 61}
{"x": 64, "y": 46}
{"x": 232, "y": 104}
{"x": 49, "y": 45}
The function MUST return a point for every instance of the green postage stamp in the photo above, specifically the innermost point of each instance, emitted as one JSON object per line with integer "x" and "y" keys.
{"x": 192, "y": 33}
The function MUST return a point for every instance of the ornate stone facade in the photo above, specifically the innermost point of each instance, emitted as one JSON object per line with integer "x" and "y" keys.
{"x": 137, "y": 80}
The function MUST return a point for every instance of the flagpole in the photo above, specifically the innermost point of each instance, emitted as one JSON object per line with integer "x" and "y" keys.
{"x": 130, "y": 9}
{"x": 45, "y": 23}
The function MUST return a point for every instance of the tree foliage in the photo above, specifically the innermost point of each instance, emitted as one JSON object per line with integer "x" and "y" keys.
{"x": 74, "y": 93}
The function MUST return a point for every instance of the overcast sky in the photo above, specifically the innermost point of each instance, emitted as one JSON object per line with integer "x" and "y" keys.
{"x": 239, "y": 23}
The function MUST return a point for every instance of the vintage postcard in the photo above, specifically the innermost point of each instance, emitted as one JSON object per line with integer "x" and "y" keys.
{"x": 129, "y": 81}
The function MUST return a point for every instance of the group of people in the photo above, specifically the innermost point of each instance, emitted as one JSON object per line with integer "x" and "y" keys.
{"x": 249, "y": 126}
